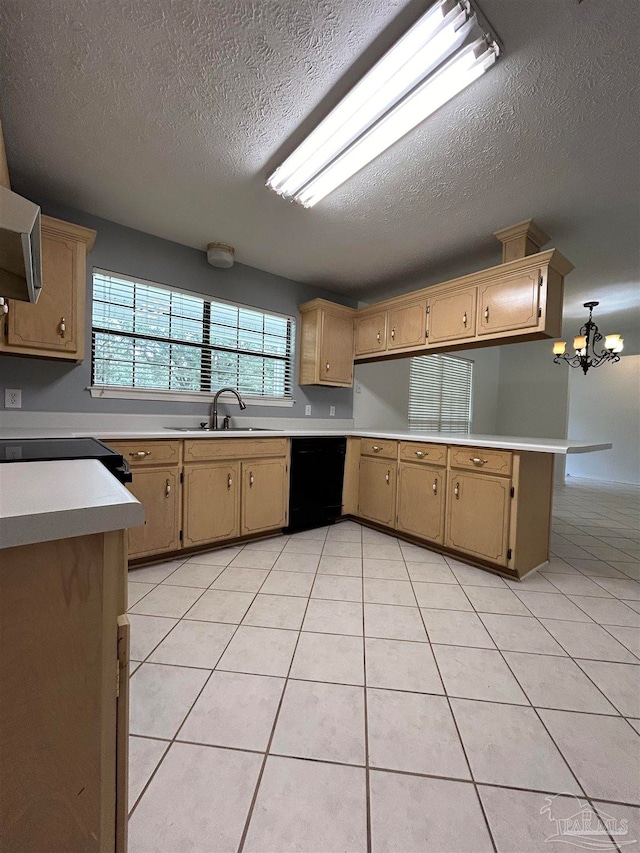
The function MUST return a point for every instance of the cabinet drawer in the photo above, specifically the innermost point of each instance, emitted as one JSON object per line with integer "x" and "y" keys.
{"x": 432, "y": 454}
{"x": 204, "y": 449}
{"x": 148, "y": 452}
{"x": 381, "y": 447}
{"x": 481, "y": 459}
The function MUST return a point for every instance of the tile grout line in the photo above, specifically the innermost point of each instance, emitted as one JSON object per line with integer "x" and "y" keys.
{"x": 455, "y": 722}
{"x": 366, "y": 711}
{"x": 206, "y": 681}
{"x": 254, "y": 798}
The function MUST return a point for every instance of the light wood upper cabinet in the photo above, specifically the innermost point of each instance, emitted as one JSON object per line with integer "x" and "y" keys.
{"x": 265, "y": 489}
{"x": 452, "y": 316}
{"x": 421, "y": 501}
{"x": 211, "y": 502}
{"x": 407, "y": 326}
{"x": 478, "y": 509}
{"x": 377, "y": 494}
{"x": 326, "y": 344}
{"x": 511, "y": 303}
{"x": 371, "y": 333}
{"x": 54, "y": 326}
{"x": 158, "y": 490}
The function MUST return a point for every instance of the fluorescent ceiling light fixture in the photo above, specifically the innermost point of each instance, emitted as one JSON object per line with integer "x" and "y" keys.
{"x": 401, "y": 85}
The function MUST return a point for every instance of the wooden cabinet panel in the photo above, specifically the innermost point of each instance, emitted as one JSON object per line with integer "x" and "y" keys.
{"x": 53, "y": 327}
{"x": 204, "y": 449}
{"x": 264, "y": 495}
{"x": 211, "y": 502}
{"x": 158, "y": 490}
{"x": 478, "y": 507}
{"x": 481, "y": 459}
{"x": 383, "y": 447}
{"x": 512, "y": 302}
{"x": 141, "y": 452}
{"x": 377, "y": 495}
{"x": 371, "y": 333}
{"x": 429, "y": 454}
{"x": 407, "y": 326}
{"x": 452, "y": 316}
{"x": 336, "y": 349}
{"x": 326, "y": 344}
{"x": 421, "y": 501}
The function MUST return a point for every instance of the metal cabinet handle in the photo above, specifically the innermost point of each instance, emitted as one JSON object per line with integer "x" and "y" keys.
{"x": 477, "y": 461}
{"x": 464, "y": 318}
{"x": 4, "y": 308}
{"x": 62, "y": 327}
{"x": 486, "y": 313}
{"x": 141, "y": 453}
{"x": 420, "y": 453}
{"x": 388, "y": 477}
{"x": 327, "y": 366}
{"x": 376, "y": 448}
{"x": 435, "y": 486}
{"x": 167, "y": 489}
{"x": 251, "y": 478}
{"x": 378, "y": 337}
{"x": 229, "y": 481}
{"x": 456, "y": 491}
{"x": 393, "y": 333}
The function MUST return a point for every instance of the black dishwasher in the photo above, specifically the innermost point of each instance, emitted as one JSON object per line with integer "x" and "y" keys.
{"x": 317, "y": 472}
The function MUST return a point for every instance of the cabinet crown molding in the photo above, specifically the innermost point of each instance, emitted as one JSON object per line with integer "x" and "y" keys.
{"x": 60, "y": 228}
{"x": 522, "y": 239}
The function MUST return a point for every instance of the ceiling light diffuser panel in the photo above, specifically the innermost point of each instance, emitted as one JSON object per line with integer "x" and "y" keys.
{"x": 428, "y": 66}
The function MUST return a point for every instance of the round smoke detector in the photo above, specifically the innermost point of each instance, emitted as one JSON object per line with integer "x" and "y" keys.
{"x": 220, "y": 255}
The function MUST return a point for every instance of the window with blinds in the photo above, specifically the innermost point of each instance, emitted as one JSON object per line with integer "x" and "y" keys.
{"x": 149, "y": 336}
{"x": 440, "y": 389}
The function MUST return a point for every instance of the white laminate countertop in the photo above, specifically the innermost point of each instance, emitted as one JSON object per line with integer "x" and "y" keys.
{"x": 504, "y": 442}
{"x": 43, "y": 501}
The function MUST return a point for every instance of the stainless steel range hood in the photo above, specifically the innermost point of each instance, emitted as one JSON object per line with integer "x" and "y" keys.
{"x": 20, "y": 247}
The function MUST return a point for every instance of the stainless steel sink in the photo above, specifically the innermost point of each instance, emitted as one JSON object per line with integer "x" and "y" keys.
{"x": 228, "y": 429}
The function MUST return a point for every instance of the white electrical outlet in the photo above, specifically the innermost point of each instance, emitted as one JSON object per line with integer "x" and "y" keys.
{"x": 332, "y": 411}
{"x": 307, "y": 410}
{"x": 12, "y": 398}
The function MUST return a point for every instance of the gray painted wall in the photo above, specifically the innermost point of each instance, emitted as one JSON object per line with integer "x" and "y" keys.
{"x": 58, "y": 387}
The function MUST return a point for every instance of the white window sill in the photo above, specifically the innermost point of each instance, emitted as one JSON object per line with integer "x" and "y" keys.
{"x": 115, "y": 393}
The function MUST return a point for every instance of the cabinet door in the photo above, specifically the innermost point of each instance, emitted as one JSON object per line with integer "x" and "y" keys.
{"x": 377, "y": 500}
{"x": 421, "y": 504}
{"x": 52, "y": 326}
{"x": 452, "y": 316}
{"x": 158, "y": 490}
{"x": 336, "y": 350}
{"x": 371, "y": 333}
{"x": 211, "y": 502}
{"x": 407, "y": 326}
{"x": 512, "y": 302}
{"x": 264, "y": 495}
{"x": 478, "y": 515}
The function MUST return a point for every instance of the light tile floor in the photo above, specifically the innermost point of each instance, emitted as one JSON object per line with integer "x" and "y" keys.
{"x": 341, "y": 690}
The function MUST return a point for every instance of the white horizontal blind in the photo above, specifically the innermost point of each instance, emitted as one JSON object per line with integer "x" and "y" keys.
{"x": 440, "y": 393}
{"x": 146, "y": 335}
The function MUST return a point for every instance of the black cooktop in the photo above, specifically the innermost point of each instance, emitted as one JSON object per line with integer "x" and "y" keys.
{"x": 52, "y": 449}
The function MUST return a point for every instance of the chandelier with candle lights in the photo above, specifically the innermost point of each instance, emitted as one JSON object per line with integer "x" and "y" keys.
{"x": 584, "y": 344}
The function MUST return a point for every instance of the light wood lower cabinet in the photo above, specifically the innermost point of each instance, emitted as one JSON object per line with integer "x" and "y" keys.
{"x": 211, "y": 502}
{"x": 158, "y": 490}
{"x": 478, "y": 510}
{"x": 377, "y": 496}
{"x": 421, "y": 501}
{"x": 264, "y": 495}
{"x": 63, "y": 712}
{"x": 490, "y": 505}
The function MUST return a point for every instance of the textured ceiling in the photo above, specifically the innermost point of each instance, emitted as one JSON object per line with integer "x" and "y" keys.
{"x": 168, "y": 116}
